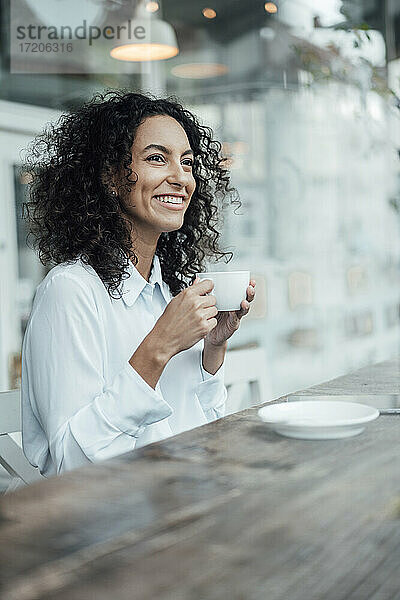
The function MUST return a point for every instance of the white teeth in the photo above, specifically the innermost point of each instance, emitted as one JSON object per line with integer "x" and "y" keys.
{"x": 170, "y": 199}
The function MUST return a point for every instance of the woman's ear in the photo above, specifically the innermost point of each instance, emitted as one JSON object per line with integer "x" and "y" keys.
{"x": 110, "y": 183}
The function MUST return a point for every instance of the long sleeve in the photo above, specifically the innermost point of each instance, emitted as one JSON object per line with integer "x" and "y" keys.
{"x": 212, "y": 392}
{"x": 84, "y": 417}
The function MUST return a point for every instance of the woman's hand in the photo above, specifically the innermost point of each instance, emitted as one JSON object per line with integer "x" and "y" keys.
{"x": 228, "y": 321}
{"x": 187, "y": 319}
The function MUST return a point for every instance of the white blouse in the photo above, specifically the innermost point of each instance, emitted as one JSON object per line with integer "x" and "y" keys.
{"x": 82, "y": 401}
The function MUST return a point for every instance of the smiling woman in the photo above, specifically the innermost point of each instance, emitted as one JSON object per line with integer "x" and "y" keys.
{"x": 165, "y": 181}
{"x": 122, "y": 347}
{"x": 84, "y": 171}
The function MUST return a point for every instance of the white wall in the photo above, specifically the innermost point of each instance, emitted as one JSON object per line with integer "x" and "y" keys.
{"x": 18, "y": 125}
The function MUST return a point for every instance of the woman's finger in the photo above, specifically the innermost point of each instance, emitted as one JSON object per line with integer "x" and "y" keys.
{"x": 250, "y": 293}
{"x": 244, "y": 309}
{"x": 210, "y": 312}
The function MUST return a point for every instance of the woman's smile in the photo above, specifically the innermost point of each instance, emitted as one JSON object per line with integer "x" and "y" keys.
{"x": 171, "y": 201}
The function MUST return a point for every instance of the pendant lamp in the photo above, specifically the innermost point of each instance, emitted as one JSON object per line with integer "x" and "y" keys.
{"x": 145, "y": 37}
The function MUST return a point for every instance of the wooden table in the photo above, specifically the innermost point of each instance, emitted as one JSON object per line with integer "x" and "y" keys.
{"x": 226, "y": 511}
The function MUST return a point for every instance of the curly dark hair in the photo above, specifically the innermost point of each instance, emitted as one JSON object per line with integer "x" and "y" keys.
{"x": 72, "y": 212}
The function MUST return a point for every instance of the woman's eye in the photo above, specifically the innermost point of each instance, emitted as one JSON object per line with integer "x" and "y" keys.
{"x": 154, "y": 156}
{"x": 188, "y": 162}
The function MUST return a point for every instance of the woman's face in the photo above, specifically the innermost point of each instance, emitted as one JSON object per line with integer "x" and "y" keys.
{"x": 162, "y": 160}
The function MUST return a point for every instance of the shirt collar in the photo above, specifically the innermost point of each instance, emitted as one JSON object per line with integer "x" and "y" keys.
{"x": 133, "y": 286}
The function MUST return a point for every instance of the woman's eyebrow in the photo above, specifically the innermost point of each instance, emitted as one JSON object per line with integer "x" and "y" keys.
{"x": 164, "y": 149}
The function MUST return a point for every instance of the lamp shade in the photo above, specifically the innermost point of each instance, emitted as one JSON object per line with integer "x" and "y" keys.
{"x": 145, "y": 40}
{"x": 200, "y": 63}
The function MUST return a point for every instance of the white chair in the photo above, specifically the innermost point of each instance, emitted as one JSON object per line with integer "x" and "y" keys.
{"x": 12, "y": 457}
{"x": 246, "y": 366}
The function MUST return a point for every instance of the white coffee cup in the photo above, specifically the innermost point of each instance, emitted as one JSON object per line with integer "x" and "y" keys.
{"x": 229, "y": 287}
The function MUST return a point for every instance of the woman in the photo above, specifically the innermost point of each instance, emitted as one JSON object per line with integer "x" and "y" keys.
{"x": 120, "y": 350}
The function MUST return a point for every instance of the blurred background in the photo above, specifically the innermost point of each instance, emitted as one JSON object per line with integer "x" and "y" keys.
{"x": 304, "y": 97}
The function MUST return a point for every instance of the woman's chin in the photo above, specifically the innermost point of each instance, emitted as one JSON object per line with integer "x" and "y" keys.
{"x": 171, "y": 225}
{"x": 171, "y": 228}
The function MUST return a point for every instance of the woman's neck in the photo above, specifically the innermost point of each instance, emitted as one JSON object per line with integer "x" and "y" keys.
{"x": 145, "y": 252}
{"x": 144, "y": 266}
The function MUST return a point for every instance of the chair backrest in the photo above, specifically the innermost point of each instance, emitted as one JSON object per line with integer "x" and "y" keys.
{"x": 12, "y": 457}
{"x": 247, "y": 366}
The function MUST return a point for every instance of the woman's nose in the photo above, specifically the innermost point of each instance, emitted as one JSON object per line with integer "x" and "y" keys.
{"x": 178, "y": 175}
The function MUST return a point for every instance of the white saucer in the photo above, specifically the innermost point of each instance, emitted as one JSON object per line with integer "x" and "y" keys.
{"x": 318, "y": 420}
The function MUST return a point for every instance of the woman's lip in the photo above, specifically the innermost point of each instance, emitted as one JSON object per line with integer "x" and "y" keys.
{"x": 170, "y": 206}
